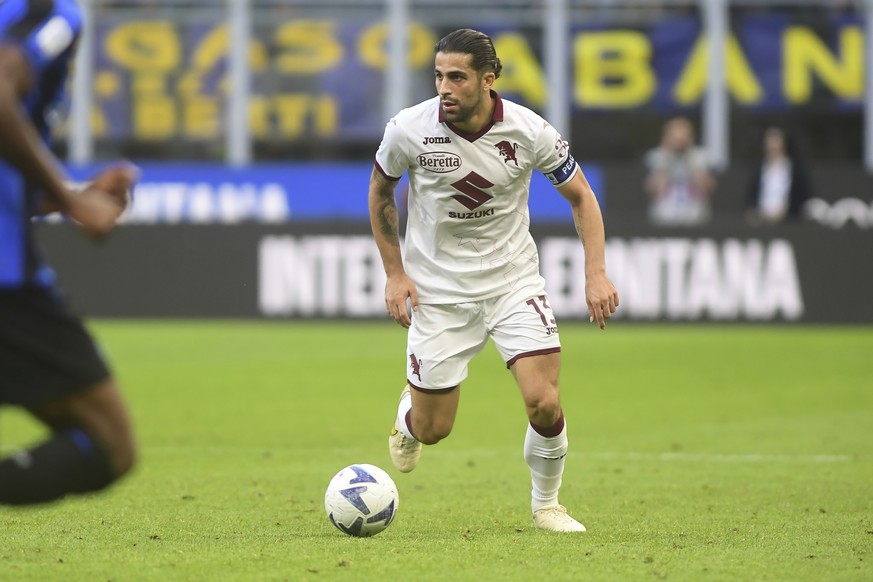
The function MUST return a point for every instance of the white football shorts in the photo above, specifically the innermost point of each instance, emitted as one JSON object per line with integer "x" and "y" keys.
{"x": 444, "y": 338}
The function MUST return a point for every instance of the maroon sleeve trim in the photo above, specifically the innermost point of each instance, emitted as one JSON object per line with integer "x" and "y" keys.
{"x": 384, "y": 173}
{"x": 533, "y": 353}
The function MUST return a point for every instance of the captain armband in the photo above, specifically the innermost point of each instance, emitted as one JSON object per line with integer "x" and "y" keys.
{"x": 563, "y": 172}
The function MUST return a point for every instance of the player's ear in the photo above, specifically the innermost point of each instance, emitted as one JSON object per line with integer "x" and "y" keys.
{"x": 488, "y": 81}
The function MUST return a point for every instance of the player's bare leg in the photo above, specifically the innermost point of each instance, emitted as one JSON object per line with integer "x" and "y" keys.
{"x": 545, "y": 444}
{"x": 99, "y": 412}
{"x": 91, "y": 446}
{"x": 423, "y": 417}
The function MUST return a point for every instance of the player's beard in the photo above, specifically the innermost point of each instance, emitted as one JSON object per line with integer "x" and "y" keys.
{"x": 463, "y": 113}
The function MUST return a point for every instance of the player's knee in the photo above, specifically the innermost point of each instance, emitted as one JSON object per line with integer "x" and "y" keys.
{"x": 123, "y": 457}
{"x": 115, "y": 438}
{"x": 103, "y": 414}
{"x": 430, "y": 433}
{"x": 544, "y": 410}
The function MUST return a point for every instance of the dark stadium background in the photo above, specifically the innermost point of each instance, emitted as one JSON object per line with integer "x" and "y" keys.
{"x": 300, "y": 122}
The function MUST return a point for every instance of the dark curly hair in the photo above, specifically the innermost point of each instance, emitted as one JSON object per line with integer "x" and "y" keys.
{"x": 474, "y": 43}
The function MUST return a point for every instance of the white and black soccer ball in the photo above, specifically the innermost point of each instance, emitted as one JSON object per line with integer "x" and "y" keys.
{"x": 361, "y": 500}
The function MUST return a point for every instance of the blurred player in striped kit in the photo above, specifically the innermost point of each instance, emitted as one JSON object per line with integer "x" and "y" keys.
{"x": 49, "y": 364}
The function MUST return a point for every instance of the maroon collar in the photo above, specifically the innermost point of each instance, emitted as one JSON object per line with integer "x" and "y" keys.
{"x": 496, "y": 115}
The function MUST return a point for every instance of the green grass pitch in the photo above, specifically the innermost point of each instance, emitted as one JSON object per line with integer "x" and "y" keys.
{"x": 696, "y": 453}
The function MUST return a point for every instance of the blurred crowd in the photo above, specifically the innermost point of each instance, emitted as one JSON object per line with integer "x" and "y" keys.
{"x": 680, "y": 182}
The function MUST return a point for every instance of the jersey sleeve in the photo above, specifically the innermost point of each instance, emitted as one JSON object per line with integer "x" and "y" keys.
{"x": 391, "y": 157}
{"x": 44, "y": 30}
{"x": 553, "y": 157}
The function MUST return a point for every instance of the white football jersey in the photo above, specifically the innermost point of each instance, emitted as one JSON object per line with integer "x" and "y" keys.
{"x": 467, "y": 235}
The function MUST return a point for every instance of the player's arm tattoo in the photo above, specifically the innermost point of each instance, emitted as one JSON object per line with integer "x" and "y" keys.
{"x": 386, "y": 218}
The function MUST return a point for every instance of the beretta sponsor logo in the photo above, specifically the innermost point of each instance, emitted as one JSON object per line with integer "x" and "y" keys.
{"x": 439, "y": 162}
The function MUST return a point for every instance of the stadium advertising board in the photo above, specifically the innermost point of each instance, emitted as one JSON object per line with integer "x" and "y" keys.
{"x": 333, "y": 271}
{"x": 158, "y": 79}
{"x": 659, "y": 278}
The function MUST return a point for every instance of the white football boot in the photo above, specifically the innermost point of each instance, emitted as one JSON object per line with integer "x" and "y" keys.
{"x": 405, "y": 451}
{"x": 555, "y": 518}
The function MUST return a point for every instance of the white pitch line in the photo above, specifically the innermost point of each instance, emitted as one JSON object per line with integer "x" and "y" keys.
{"x": 724, "y": 457}
{"x": 607, "y": 456}
{"x": 677, "y": 457}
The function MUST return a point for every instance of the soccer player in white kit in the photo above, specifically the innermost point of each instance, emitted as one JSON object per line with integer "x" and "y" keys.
{"x": 469, "y": 267}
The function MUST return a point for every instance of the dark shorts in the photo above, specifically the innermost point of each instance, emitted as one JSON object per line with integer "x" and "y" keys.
{"x": 45, "y": 351}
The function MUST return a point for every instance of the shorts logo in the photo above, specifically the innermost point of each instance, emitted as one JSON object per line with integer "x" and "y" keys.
{"x": 439, "y": 162}
{"x": 545, "y": 314}
{"x": 429, "y": 140}
{"x": 416, "y": 366}
{"x": 507, "y": 151}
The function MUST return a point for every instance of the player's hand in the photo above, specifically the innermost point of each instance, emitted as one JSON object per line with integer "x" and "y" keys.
{"x": 99, "y": 205}
{"x": 96, "y": 211}
{"x": 602, "y": 298}
{"x": 117, "y": 181}
{"x": 398, "y": 289}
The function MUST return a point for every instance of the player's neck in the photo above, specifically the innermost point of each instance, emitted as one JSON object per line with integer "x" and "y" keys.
{"x": 481, "y": 117}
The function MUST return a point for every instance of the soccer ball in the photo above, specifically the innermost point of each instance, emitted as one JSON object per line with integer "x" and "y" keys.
{"x": 361, "y": 500}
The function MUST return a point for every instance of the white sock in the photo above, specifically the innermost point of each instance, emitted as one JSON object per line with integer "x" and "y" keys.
{"x": 402, "y": 408}
{"x": 545, "y": 457}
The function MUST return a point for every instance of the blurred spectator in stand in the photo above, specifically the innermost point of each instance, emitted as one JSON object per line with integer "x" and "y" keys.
{"x": 679, "y": 181}
{"x": 780, "y": 184}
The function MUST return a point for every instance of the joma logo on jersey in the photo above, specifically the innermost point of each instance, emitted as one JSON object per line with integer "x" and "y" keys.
{"x": 439, "y": 162}
{"x": 429, "y": 140}
{"x": 507, "y": 151}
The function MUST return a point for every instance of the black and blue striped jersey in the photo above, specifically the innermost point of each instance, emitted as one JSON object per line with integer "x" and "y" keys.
{"x": 46, "y": 31}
